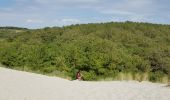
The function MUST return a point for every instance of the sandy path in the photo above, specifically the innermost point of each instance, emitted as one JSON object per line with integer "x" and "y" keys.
{"x": 17, "y": 85}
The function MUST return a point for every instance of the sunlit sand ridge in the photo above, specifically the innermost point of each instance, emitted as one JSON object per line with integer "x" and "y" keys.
{"x": 18, "y": 85}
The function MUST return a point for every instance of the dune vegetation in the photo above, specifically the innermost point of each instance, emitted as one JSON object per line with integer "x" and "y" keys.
{"x": 102, "y": 51}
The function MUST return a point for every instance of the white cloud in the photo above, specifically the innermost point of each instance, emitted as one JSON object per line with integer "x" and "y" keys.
{"x": 116, "y": 12}
{"x": 70, "y": 20}
{"x": 34, "y": 21}
{"x": 127, "y": 7}
{"x": 133, "y": 10}
{"x": 66, "y": 1}
{"x": 40, "y": 13}
{"x": 67, "y": 21}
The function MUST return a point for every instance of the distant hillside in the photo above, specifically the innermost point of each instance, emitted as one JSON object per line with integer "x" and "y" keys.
{"x": 10, "y": 32}
{"x": 11, "y": 27}
{"x": 139, "y": 50}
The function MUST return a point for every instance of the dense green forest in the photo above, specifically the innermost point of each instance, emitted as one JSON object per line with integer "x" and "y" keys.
{"x": 105, "y": 50}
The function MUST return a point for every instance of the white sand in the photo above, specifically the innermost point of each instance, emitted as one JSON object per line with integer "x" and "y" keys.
{"x": 17, "y": 85}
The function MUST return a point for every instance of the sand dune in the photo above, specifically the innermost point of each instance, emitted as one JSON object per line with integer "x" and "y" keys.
{"x": 18, "y": 85}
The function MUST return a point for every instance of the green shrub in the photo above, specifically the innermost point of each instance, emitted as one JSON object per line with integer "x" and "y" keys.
{"x": 124, "y": 51}
{"x": 89, "y": 76}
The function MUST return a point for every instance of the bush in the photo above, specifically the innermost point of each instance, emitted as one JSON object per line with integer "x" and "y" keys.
{"x": 156, "y": 77}
{"x": 99, "y": 50}
{"x": 89, "y": 76}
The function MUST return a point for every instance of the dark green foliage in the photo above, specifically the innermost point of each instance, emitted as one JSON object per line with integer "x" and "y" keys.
{"x": 13, "y": 28}
{"x": 98, "y": 50}
{"x": 156, "y": 76}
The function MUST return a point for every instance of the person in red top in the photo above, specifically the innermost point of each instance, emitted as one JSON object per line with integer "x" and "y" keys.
{"x": 79, "y": 76}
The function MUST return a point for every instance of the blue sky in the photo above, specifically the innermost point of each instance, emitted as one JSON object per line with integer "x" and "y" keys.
{"x": 42, "y": 13}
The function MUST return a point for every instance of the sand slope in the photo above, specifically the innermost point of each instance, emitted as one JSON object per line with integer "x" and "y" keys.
{"x": 17, "y": 85}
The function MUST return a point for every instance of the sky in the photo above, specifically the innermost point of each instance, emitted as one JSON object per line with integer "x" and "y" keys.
{"x": 49, "y": 13}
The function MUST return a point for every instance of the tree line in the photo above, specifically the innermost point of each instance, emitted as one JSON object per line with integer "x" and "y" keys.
{"x": 102, "y": 50}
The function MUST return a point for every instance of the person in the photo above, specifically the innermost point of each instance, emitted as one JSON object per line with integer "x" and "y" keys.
{"x": 78, "y": 76}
